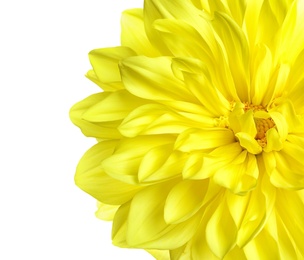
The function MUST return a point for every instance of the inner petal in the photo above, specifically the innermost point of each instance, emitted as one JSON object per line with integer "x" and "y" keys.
{"x": 250, "y": 124}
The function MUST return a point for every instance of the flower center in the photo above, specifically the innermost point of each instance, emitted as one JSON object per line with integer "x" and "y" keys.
{"x": 253, "y": 127}
{"x": 262, "y": 126}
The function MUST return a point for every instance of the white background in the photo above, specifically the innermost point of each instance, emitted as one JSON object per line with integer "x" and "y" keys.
{"x": 43, "y": 59}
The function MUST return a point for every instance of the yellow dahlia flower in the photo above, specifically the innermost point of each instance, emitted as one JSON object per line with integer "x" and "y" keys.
{"x": 200, "y": 129}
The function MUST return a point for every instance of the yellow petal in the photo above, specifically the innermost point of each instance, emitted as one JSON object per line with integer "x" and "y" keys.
{"x": 261, "y": 70}
{"x": 92, "y": 179}
{"x": 273, "y": 141}
{"x": 105, "y": 211}
{"x": 155, "y": 119}
{"x": 152, "y": 78}
{"x": 106, "y": 130}
{"x": 291, "y": 32}
{"x": 237, "y": 10}
{"x": 201, "y": 166}
{"x": 184, "y": 200}
{"x": 133, "y": 33}
{"x": 190, "y": 42}
{"x": 221, "y": 231}
{"x": 114, "y": 106}
{"x": 288, "y": 172}
{"x": 197, "y": 78}
{"x": 155, "y": 9}
{"x": 181, "y": 253}
{"x": 193, "y": 165}
{"x": 125, "y": 162}
{"x": 238, "y": 177}
{"x": 287, "y": 249}
{"x": 249, "y": 214}
{"x": 263, "y": 246}
{"x": 161, "y": 163}
{"x": 236, "y": 48}
{"x": 203, "y": 139}
{"x": 281, "y": 124}
{"x": 146, "y": 225}
{"x": 290, "y": 209}
{"x": 249, "y": 143}
{"x": 119, "y": 228}
{"x": 159, "y": 254}
{"x": 105, "y": 62}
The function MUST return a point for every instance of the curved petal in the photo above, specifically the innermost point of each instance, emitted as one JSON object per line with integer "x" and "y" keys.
{"x": 221, "y": 231}
{"x": 155, "y": 9}
{"x": 133, "y": 34}
{"x": 290, "y": 211}
{"x": 264, "y": 246}
{"x": 237, "y": 51}
{"x": 190, "y": 42}
{"x": 106, "y": 211}
{"x": 239, "y": 177}
{"x": 287, "y": 170}
{"x": 106, "y": 130}
{"x": 196, "y": 76}
{"x": 153, "y": 79}
{"x": 249, "y": 143}
{"x": 119, "y": 227}
{"x": 203, "y": 139}
{"x": 184, "y": 200}
{"x": 161, "y": 163}
{"x": 146, "y": 225}
{"x": 151, "y": 119}
{"x": 125, "y": 162}
{"x": 114, "y": 106}
{"x": 105, "y": 64}
{"x": 91, "y": 178}
{"x": 201, "y": 165}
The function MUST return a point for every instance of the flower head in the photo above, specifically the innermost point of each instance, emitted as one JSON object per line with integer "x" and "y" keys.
{"x": 200, "y": 129}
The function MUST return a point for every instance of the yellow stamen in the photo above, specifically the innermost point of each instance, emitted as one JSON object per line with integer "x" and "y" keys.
{"x": 262, "y": 126}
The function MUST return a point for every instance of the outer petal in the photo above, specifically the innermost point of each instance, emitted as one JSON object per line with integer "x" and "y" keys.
{"x": 125, "y": 162}
{"x": 184, "y": 200}
{"x": 263, "y": 246}
{"x": 249, "y": 213}
{"x": 105, "y": 211}
{"x": 159, "y": 119}
{"x": 92, "y": 179}
{"x": 133, "y": 33}
{"x": 290, "y": 211}
{"x": 159, "y": 254}
{"x": 106, "y": 130}
{"x": 237, "y": 52}
{"x": 190, "y": 42}
{"x": 286, "y": 170}
{"x": 152, "y": 78}
{"x": 221, "y": 231}
{"x": 146, "y": 225}
{"x": 291, "y": 32}
{"x": 119, "y": 228}
{"x": 154, "y": 10}
{"x": 114, "y": 106}
{"x": 197, "y": 78}
{"x": 105, "y": 65}
{"x": 161, "y": 163}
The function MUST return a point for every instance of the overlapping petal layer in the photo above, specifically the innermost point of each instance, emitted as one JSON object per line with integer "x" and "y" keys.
{"x": 200, "y": 130}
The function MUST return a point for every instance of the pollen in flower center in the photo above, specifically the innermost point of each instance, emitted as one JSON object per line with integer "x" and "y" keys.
{"x": 262, "y": 126}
